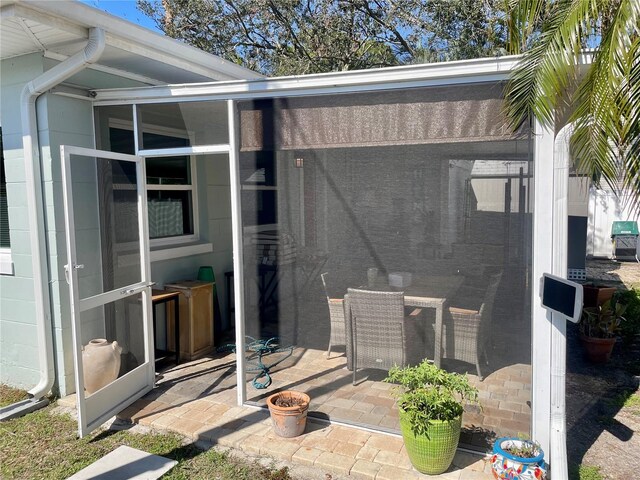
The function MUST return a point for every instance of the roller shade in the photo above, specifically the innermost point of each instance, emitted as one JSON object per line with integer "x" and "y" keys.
{"x": 410, "y": 116}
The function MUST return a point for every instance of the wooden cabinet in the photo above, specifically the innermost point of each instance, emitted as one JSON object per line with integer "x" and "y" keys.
{"x": 196, "y": 317}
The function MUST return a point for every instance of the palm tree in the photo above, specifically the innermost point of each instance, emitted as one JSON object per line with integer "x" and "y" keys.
{"x": 582, "y": 57}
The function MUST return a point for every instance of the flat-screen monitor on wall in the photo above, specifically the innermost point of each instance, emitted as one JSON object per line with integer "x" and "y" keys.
{"x": 562, "y": 296}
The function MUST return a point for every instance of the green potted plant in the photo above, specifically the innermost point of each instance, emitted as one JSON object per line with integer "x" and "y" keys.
{"x": 630, "y": 328}
{"x": 517, "y": 459}
{"x": 431, "y": 402}
{"x": 598, "y": 329}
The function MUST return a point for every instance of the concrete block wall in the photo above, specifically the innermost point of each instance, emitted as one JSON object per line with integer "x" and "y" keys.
{"x": 61, "y": 120}
{"x": 19, "y": 364}
{"x": 70, "y": 122}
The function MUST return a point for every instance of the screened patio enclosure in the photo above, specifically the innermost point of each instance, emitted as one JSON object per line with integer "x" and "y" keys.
{"x": 418, "y": 191}
{"x": 376, "y": 228}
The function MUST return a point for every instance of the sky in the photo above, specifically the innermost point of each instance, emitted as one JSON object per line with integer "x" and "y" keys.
{"x": 125, "y": 9}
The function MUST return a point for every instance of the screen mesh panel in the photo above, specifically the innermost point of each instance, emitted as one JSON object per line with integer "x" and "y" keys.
{"x": 106, "y": 220}
{"x": 120, "y": 322}
{"x": 420, "y": 191}
{"x": 464, "y": 113}
{"x": 183, "y": 124}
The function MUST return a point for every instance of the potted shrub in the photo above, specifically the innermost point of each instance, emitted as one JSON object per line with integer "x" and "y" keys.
{"x": 630, "y": 328}
{"x": 598, "y": 328}
{"x": 517, "y": 459}
{"x": 431, "y": 402}
{"x": 288, "y": 411}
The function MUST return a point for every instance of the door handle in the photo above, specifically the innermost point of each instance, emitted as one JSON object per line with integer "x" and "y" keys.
{"x": 66, "y": 270}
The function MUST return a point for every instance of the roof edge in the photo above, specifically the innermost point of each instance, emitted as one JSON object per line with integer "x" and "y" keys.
{"x": 483, "y": 69}
{"x": 71, "y": 13}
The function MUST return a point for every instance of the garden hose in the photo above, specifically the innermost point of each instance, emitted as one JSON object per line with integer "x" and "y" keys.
{"x": 258, "y": 349}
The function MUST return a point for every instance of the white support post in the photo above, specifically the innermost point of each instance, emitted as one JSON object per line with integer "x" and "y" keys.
{"x": 558, "y": 436}
{"x": 238, "y": 262}
{"x": 543, "y": 246}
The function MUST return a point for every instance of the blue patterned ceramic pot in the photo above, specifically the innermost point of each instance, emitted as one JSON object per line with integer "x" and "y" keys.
{"x": 507, "y": 466}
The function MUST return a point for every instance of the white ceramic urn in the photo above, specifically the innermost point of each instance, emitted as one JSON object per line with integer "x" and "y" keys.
{"x": 101, "y": 363}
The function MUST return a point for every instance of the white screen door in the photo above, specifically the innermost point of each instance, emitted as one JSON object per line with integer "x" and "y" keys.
{"x": 109, "y": 280}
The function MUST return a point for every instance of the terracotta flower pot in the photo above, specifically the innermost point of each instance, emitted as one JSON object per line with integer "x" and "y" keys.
{"x": 100, "y": 364}
{"x": 598, "y": 349}
{"x": 289, "y": 421}
{"x": 596, "y": 295}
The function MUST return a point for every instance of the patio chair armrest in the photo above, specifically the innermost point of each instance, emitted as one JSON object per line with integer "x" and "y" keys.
{"x": 337, "y": 301}
{"x": 415, "y": 312}
{"x": 463, "y": 311}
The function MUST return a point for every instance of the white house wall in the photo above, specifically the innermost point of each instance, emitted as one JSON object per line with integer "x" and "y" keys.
{"x": 604, "y": 209}
{"x": 18, "y": 341}
{"x": 61, "y": 120}
{"x": 578, "y": 196}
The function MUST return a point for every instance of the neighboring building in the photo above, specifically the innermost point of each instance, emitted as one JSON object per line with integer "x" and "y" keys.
{"x": 605, "y": 207}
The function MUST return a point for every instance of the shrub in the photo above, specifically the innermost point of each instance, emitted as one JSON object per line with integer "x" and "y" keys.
{"x": 426, "y": 392}
{"x": 630, "y": 327}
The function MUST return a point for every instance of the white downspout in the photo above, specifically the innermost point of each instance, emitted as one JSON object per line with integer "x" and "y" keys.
{"x": 558, "y": 434}
{"x": 32, "y": 90}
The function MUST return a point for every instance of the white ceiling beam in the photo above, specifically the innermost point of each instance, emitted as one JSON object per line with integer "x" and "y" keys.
{"x": 30, "y": 34}
{"x": 111, "y": 70}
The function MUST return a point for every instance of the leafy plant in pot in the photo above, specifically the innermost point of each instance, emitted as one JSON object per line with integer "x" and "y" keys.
{"x": 431, "y": 402}
{"x": 630, "y": 328}
{"x": 517, "y": 459}
{"x": 599, "y": 327}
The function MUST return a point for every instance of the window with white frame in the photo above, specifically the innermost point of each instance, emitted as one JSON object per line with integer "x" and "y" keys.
{"x": 171, "y": 186}
{"x": 6, "y": 267}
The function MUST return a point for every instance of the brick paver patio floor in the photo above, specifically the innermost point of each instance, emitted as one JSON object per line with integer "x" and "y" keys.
{"x": 198, "y": 400}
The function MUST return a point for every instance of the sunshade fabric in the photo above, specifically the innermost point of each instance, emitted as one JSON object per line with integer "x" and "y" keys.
{"x": 461, "y": 113}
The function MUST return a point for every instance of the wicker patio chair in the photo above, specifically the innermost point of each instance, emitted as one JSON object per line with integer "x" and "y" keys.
{"x": 336, "y": 318}
{"x": 466, "y": 333}
{"x": 381, "y": 336}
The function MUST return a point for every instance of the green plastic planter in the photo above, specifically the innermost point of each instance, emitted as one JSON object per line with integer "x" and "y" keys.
{"x": 433, "y": 454}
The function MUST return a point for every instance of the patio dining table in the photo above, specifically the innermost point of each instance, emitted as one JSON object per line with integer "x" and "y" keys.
{"x": 426, "y": 292}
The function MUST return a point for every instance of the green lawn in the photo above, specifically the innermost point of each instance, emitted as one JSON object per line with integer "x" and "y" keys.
{"x": 43, "y": 445}
{"x": 10, "y": 395}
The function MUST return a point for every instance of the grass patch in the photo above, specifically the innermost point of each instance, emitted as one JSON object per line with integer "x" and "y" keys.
{"x": 585, "y": 472}
{"x": 10, "y": 395}
{"x": 43, "y": 445}
{"x": 628, "y": 400}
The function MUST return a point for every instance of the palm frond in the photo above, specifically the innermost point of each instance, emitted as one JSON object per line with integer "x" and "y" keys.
{"x": 607, "y": 106}
{"x": 523, "y": 18}
{"x": 546, "y": 71}
{"x": 605, "y": 100}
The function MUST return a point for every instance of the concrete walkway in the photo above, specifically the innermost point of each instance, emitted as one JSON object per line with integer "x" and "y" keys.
{"x": 339, "y": 451}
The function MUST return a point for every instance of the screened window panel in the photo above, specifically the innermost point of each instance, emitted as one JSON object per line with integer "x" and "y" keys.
{"x": 4, "y": 211}
{"x": 444, "y": 219}
{"x": 197, "y": 123}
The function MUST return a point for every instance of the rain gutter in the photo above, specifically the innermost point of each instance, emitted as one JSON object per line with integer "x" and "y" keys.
{"x": 32, "y": 90}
